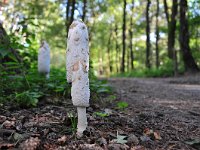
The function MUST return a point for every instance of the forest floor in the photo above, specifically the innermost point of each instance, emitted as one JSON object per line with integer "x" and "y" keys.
{"x": 162, "y": 114}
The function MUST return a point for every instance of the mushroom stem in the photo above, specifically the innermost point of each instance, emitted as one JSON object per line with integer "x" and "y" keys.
{"x": 82, "y": 120}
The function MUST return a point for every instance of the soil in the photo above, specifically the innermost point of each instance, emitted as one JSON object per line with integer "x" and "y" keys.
{"x": 162, "y": 114}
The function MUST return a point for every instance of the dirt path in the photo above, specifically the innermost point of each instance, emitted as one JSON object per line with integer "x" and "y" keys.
{"x": 170, "y": 106}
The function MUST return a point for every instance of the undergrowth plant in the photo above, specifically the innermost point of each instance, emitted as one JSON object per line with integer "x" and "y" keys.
{"x": 122, "y": 105}
{"x": 73, "y": 120}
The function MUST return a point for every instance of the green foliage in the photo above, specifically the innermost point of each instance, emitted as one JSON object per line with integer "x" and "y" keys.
{"x": 122, "y": 105}
{"x": 73, "y": 120}
{"x": 166, "y": 70}
{"x": 101, "y": 114}
{"x": 28, "y": 98}
{"x": 99, "y": 86}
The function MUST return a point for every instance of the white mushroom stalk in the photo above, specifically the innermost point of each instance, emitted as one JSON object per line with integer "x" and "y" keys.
{"x": 44, "y": 59}
{"x": 77, "y": 70}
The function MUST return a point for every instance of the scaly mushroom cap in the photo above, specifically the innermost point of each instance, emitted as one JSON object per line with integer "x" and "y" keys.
{"x": 44, "y": 58}
{"x": 77, "y": 47}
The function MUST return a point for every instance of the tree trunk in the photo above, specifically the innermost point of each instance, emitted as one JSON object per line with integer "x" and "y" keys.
{"x": 72, "y": 11}
{"x": 123, "y": 39}
{"x": 6, "y": 45}
{"x": 131, "y": 36}
{"x": 190, "y": 65}
{"x": 84, "y": 9}
{"x": 117, "y": 59}
{"x": 67, "y": 16}
{"x": 157, "y": 36}
{"x": 172, "y": 29}
{"x": 166, "y": 11}
{"x": 108, "y": 52}
{"x": 69, "y": 19}
{"x": 148, "y": 45}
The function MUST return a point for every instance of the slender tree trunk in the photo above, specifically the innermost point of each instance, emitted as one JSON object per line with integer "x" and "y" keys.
{"x": 100, "y": 63}
{"x": 67, "y": 16}
{"x": 72, "y": 11}
{"x": 123, "y": 39}
{"x": 166, "y": 11}
{"x": 69, "y": 19}
{"x": 108, "y": 52}
{"x": 190, "y": 65}
{"x": 148, "y": 44}
{"x": 128, "y": 60}
{"x": 172, "y": 29}
{"x": 5, "y": 43}
{"x": 131, "y": 36}
{"x": 157, "y": 36}
{"x": 117, "y": 59}
{"x": 84, "y": 9}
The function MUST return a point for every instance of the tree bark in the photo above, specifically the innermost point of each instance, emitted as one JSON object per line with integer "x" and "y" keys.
{"x": 190, "y": 65}
{"x": 5, "y": 43}
{"x": 131, "y": 36}
{"x": 172, "y": 29}
{"x": 69, "y": 19}
{"x": 148, "y": 44}
{"x": 117, "y": 59}
{"x": 123, "y": 39}
{"x": 166, "y": 10}
{"x": 67, "y": 16}
{"x": 108, "y": 52}
{"x": 84, "y": 9}
{"x": 157, "y": 35}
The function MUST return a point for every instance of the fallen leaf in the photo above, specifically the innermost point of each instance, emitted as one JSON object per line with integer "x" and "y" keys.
{"x": 8, "y": 124}
{"x": 2, "y": 119}
{"x": 115, "y": 146}
{"x": 63, "y": 139}
{"x": 148, "y": 131}
{"x": 138, "y": 148}
{"x": 18, "y": 136}
{"x": 157, "y": 136}
{"x": 30, "y": 144}
{"x": 6, "y": 145}
{"x": 120, "y": 139}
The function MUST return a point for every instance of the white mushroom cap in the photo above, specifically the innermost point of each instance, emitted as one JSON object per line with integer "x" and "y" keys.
{"x": 77, "y": 47}
{"x": 44, "y": 58}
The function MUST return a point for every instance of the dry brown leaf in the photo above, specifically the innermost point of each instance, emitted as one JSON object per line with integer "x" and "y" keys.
{"x": 157, "y": 136}
{"x": 138, "y": 148}
{"x": 148, "y": 131}
{"x": 2, "y": 119}
{"x": 63, "y": 139}
{"x": 6, "y": 145}
{"x": 8, "y": 124}
{"x": 30, "y": 144}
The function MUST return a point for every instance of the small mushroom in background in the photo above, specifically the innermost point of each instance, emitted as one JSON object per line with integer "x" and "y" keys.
{"x": 77, "y": 70}
{"x": 44, "y": 59}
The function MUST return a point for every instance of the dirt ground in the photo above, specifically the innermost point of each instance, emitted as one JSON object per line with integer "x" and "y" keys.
{"x": 163, "y": 114}
{"x": 169, "y": 106}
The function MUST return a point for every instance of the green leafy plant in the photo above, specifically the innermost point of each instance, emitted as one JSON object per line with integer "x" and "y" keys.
{"x": 122, "y": 105}
{"x": 101, "y": 114}
{"x": 73, "y": 121}
{"x": 27, "y": 98}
